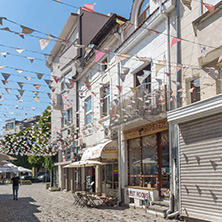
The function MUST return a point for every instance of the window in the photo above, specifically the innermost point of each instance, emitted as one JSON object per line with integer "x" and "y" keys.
{"x": 195, "y": 90}
{"x": 66, "y": 82}
{"x": 144, "y": 11}
{"x": 72, "y": 36}
{"x": 104, "y": 65}
{"x": 67, "y": 118}
{"x": 105, "y": 104}
{"x": 146, "y": 84}
{"x": 88, "y": 110}
{"x": 10, "y": 125}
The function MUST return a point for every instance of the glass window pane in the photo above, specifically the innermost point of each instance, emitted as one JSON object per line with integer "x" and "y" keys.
{"x": 134, "y": 161}
{"x": 149, "y": 159}
{"x": 88, "y": 118}
{"x": 144, "y": 5}
{"x": 88, "y": 104}
{"x": 66, "y": 79}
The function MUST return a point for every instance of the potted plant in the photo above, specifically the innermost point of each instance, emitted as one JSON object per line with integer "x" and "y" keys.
{"x": 26, "y": 182}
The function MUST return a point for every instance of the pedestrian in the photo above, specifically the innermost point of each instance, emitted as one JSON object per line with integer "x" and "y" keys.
{"x": 15, "y": 185}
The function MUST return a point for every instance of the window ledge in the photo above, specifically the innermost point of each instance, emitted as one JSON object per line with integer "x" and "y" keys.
{"x": 205, "y": 16}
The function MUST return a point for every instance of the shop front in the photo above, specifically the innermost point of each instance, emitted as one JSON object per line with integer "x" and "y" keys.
{"x": 102, "y": 178}
{"x": 147, "y": 162}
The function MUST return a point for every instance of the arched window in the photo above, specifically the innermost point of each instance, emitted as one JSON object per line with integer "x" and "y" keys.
{"x": 144, "y": 11}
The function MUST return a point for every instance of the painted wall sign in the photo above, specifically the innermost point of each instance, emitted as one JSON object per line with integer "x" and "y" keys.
{"x": 146, "y": 130}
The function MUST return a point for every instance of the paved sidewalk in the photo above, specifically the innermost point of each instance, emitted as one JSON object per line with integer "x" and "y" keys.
{"x": 38, "y": 204}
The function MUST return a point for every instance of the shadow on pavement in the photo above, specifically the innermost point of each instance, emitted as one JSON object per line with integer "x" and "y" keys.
{"x": 20, "y": 210}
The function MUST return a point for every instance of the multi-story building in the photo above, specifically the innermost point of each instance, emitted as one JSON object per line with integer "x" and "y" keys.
{"x": 13, "y": 126}
{"x": 195, "y": 126}
{"x": 64, "y": 63}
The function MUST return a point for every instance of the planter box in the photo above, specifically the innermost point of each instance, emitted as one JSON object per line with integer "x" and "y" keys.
{"x": 26, "y": 183}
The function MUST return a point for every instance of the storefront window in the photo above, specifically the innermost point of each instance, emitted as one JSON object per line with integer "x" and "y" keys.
{"x": 110, "y": 179}
{"x": 149, "y": 160}
{"x": 134, "y": 161}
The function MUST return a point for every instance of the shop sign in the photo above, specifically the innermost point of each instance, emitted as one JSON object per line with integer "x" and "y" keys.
{"x": 110, "y": 153}
{"x": 141, "y": 194}
{"x": 146, "y": 130}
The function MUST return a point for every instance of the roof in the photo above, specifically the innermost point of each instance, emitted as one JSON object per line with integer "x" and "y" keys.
{"x": 104, "y": 31}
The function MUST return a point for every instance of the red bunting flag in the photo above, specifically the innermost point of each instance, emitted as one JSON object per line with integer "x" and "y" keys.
{"x": 88, "y": 7}
{"x": 99, "y": 55}
{"x": 209, "y": 7}
{"x": 175, "y": 40}
{"x": 120, "y": 88}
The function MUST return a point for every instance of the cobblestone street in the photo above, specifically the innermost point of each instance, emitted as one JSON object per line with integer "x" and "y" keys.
{"x": 36, "y": 204}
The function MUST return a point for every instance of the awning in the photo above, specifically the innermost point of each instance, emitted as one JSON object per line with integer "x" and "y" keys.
{"x": 107, "y": 150}
{"x": 87, "y": 163}
{"x": 6, "y": 157}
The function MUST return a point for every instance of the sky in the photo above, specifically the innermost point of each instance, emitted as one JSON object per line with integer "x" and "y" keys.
{"x": 46, "y": 16}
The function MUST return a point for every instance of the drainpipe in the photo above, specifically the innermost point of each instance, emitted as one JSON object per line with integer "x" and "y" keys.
{"x": 178, "y": 99}
{"x": 171, "y": 204}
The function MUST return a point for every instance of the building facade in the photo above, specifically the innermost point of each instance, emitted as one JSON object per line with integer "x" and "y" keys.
{"x": 64, "y": 64}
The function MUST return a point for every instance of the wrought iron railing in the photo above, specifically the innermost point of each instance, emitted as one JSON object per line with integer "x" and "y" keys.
{"x": 145, "y": 102}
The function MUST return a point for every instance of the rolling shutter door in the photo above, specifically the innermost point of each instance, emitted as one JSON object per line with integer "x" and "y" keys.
{"x": 201, "y": 168}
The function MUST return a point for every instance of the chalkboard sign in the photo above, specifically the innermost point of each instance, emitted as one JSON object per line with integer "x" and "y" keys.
{"x": 88, "y": 183}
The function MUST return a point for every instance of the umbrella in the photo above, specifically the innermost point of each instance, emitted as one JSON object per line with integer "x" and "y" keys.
{"x": 146, "y": 161}
{"x": 6, "y": 157}
{"x": 86, "y": 163}
{"x": 22, "y": 169}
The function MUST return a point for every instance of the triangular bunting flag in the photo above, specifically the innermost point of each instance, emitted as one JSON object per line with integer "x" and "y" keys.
{"x": 21, "y": 91}
{"x": 175, "y": 40}
{"x": 21, "y": 84}
{"x": 19, "y": 50}
{"x": 125, "y": 70}
{"x": 120, "y": 22}
{"x": 99, "y": 55}
{"x": 26, "y": 30}
{"x": 116, "y": 101}
{"x": 187, "y": 3}
{"x": 1, "y": 18}
{"x": 18, "y": 97}
{"x": 68, "y": 85}
{"x": 159, "y": 67}
{"x": 19, "y": 70}
{"x": 35, "y": 92}
{"x": 31, "y": 59}
{"x": 56, "y": 78}
{"x": 71, "y": 81}
{"x": 88, "y": 84}
{"x": 120, "y": 88}
{"x": 43, "y": 42}
{"x": 219, "y": 59}
{"x": 49, "y": 95}
{"x": 36, "y": 86}
{"x": 27, "y": 78}
{"x": 142, "y": 78}
{"x": 8, "y": 90}
{"x": 6, "y": 75}
{"x": 39, "y": 75}
{"x": 3, "y": 54}
{"x": 48, "y": 58}
{"x": 133, "y": 89}
{"x": 122, "y": 76}
{"x": 209, "y": 7}
{"x": 5, "y": 82}
{"x": 6, "y": 29}
{"x": 48, "y": 82}
{"x": 88, "y": 7}
{"x": 50, "y": 36}
{"x": 143, "y": 59}
{"x": 20, "y": 34}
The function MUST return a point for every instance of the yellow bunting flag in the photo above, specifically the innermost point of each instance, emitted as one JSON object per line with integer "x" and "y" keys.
{"x": 133, "y": 89}
{"x": 120, "y": 22}
{"x": 159, "y": 67}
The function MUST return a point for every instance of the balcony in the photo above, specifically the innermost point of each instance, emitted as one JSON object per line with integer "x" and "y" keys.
{"x": 145, "y": 103}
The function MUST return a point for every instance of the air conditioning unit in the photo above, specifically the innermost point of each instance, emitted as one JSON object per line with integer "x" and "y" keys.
{"x": 110, "y": 134}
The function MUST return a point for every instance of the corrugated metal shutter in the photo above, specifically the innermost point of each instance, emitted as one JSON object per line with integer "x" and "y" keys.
{"x": 201, "y": 168}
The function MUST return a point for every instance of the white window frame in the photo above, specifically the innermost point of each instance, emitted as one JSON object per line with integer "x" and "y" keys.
{"x": 89, "y": 112}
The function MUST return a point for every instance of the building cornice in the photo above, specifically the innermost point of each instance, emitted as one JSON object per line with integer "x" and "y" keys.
{"x": 196, "y": 110}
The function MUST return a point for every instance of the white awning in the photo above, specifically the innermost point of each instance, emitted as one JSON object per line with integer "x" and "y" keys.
{"x": 108, "y": 150}
{"x": 87, "y": 163}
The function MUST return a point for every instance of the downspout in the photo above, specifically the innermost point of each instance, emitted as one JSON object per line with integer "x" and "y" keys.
{"x": 171, "y": 203}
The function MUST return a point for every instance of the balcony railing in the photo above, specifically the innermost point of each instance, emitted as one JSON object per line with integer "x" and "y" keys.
{"x": 145, "y": 102}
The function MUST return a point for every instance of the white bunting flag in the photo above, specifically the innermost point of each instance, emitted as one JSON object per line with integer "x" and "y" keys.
{"x": 43, "y": 42}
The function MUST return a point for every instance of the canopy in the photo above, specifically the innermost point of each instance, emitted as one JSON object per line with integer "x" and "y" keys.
{"x": 9, "y": 168}
{"x": 87, "y": 163}
{"x": 24, "y": 170}
{"x": 107, "y": 150}
{"x": 6, "y": 157}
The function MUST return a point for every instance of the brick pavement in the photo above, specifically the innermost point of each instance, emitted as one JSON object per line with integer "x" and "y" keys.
{"x": 38, "y": 204}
